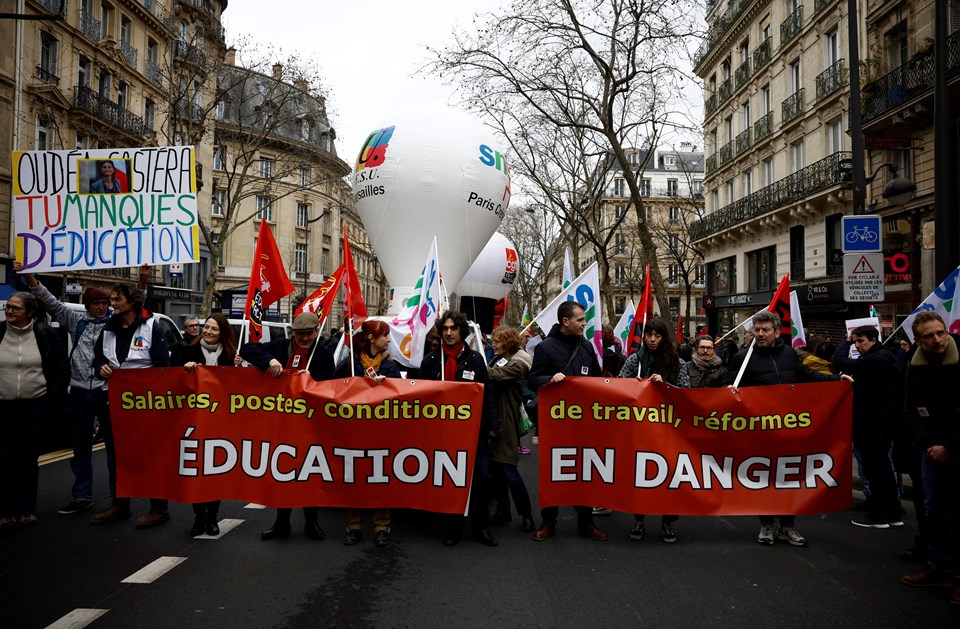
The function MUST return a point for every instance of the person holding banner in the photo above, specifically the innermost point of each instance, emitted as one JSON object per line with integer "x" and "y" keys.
{"x": 33, "y": 380}
{"x": 107, "y": 182}
{"x": 565, "y": 352}
{"x": 303, "y": 352}
{"x": 773, "y": 362}
{"x": 508, "y": 371}
{"x": 657, "y": 359}
{"x": 370, "y": 360}
{"x": 705, "y": 369}
{"x": 213, "y": 347}
{"x": 130, "y": 340}
{"x": 454, "y": 361}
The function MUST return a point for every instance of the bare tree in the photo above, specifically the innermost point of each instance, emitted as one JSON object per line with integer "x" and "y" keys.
{"x": 605, "y": 69}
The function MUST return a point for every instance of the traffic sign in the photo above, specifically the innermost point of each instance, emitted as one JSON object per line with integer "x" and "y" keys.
{"x": 861, "y": 233}
{"x": 863, "y": 277}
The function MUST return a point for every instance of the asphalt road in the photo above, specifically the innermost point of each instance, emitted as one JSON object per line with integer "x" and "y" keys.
{"x": 715, "y": 576}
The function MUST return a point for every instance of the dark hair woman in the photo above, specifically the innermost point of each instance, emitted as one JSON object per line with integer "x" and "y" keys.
{"x": 657, "y": 360}
{"x": 34, "y": 372}
{"x": 215, "y": 346}
{"x": 370, "y": 360}
{"x": 107, "y": 182}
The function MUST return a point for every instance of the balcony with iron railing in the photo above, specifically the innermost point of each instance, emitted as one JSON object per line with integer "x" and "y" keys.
{"x": 710, "y": 106}
{"x": 761, "y": 54}
{"x": 813, "y": 179}
{"x": 710, "y": 164}
{"x": 792, "y": 106}
{"x": 763, "y": 127}
{"x": 798, "y": 269}
{"x": 743, "y": 141}
{"x": 725, "y": 154}
{"x": 109, "y": 111}
{"x": 742, "y": 74}
{"x": 90, "y": 26}
{"x": 820, "y": 5}
{"x": 188, "y": 54}
{"x": 719, "y": 28}
{"x": 159, "y": 12}
{"x": 213, "y": 25}
{"x": 54, "y": 6}
{"x": 791, "y": 26}
{"x": 189, "y": 110}
{"x": 129, "y": 53}
{"x": 154, "y": 74}
{"x": 47, "y": 76}
{"x": 908, "y": 81}
{"x": 726, "y": 90}
{"x": 831, "y": 80}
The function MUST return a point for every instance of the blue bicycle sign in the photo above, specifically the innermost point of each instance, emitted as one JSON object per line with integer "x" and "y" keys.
{"x": 861, "y": 234}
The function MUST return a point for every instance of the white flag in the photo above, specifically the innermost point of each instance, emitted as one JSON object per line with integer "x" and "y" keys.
{"x": 408, "y": 331}
{"x": 622, "y": 330}
{"x": 799, "y": 336}
{"x": 944, "y": 301}
{"x": 567, "y": 268}
{"x": 585, "y": 290}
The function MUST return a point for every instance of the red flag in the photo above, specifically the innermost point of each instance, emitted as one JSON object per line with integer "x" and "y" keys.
{"x": 644, "y": 313}
{"x": 499, "y": 310}
{"x": 680, "y": 329}
{"x": 268, "y": 281}
{"x": 354, "y": 307}
{"x": 320, "y": 301}
{"x": 780, "y": 306}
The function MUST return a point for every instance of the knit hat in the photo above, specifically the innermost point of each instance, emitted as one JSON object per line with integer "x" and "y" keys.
{"x": 305, "y": 321}
{"x": 94, "y": 294}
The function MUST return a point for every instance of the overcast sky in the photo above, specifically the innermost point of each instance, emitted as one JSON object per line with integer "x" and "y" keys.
{"x": 367, "y": 50}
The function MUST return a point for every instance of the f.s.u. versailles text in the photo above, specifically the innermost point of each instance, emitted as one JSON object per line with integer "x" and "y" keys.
{"x": 726, "y": 421}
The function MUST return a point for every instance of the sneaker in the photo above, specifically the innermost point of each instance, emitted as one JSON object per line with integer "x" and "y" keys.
{"x": 382, "y": 539}
{"x": 113, "y": 514}
{"x": 927, "y": 578}
{"x": 766, "y": 535}
{"x": 895, "y": 520}
{"x": 523, "y": 450}
{"x": 666, "y": 533}
{"x": 601, "y": 511}
{"x": 636, "y": 533}
{"x": 153, "y": 518}
{"x": 75, "y": 506}
{"x": 28, "y": 520}
{"x": 535, "y": 441}
{"x": 870, "y": 521}
{"x": 353, "y": 537}
{"x": 791, "y": 536}
{"x": 8, "y": 524}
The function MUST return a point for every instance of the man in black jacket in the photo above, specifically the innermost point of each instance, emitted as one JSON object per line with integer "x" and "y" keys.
{"x": 275, "y": 356}
{"x": 454, "y": 361}
{"x": 931, "y": 412}
{"x": 873, "y": 373}
{"x": 565, "y": 353}
{"x": 774, "y": 362}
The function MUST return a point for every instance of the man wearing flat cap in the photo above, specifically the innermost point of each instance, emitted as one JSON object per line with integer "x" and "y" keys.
{"x": 298, "y": 354}
{"x": 88, "y": 393}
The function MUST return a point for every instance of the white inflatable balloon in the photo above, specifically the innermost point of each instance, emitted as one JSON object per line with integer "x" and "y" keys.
{"x": 431, "y": 174}
{"x": 493, "y": 272}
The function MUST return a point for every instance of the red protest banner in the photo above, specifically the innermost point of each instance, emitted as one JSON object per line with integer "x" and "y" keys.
{"x": 233, "y": 433}
{"x": 643, "y": 447}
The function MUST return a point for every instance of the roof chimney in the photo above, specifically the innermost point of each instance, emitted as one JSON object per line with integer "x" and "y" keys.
{"x": 278, "y": 71}
{"x": 301, "y": 84}
{"x": 230, "y": 57}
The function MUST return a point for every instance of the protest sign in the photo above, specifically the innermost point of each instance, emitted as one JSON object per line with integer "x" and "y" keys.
{"x": 234, "y": 433}
{"x": 642, "y": 447}
{"x": 105, "y": 208}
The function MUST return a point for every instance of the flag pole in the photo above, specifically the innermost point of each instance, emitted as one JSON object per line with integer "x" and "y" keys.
{"x": 443, "y": 358}
{"x": 746, "y": 359}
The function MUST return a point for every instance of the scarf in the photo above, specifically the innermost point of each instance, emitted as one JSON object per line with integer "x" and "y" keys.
{"x": 211, "y": 353}
{"x": 706, "y": 365}
{"x": 450, "y": 361}
{"x": 367, "y": 361}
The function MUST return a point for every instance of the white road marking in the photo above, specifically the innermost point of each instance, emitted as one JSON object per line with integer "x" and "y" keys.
{"x": 226, "y": 525}
{"x": 78, "y": 618}
{"x": 154, "y": 570}
{"x": 254, "y": 505}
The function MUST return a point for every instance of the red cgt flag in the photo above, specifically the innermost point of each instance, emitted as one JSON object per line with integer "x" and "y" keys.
{"x": 354, "y": 306}
{"x": 268, "y": 281}
{"x": 780, "y": 306}
{"x": 644, "y": 313}
{"x": 321, "y": 300}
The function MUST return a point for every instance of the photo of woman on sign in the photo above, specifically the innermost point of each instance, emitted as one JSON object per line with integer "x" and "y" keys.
{"x": 109, "y": 179}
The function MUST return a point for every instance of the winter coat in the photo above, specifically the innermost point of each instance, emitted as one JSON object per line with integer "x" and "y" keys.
{"x": 388, "y": 367}
{"x": 640, "y": 364}
{"x": 260, "y": 354}
{"x": 709, "y": 378}
{"x": 507, "y": 375}
{"x": 53, "y": 361}
{"x": 874, "y": 375}
{"x": 555, "y": 352}
{"x": 193, "y": 353}
{"x": 931, "y": 406}
{"x": 468, "y": 362}
{"x": 773, "y": 365}
{"x": 123, "y": 338}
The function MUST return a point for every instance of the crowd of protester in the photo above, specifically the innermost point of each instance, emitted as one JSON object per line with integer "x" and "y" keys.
{"x": 905, "y": 418}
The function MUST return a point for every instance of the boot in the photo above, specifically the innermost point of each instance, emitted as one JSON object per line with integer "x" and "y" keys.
{"x": 280, "y": 528}
{"x": 212, "y": 528}
{"x": 199, "y": 524}
{"x": 311, "y": 528}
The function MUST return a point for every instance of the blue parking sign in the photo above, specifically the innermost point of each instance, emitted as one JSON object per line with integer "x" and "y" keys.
{"x": 861, "y": 233}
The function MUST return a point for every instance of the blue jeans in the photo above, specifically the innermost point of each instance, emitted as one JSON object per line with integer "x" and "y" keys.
{"x": 506, "y": 480}
{"x": 941, "y": 502}
{"x": 20, "y": 424}
{"x": 85, "y": 406}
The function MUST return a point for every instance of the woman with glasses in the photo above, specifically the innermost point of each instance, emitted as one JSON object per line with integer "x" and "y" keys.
{"x": 34, "y": 372}
{"x": 705, "y": 369}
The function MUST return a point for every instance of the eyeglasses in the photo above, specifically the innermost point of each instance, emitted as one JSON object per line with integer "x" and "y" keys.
{"x": 10, "y": 308}
{"x": 192, "y": 325}
{"x": 704, "y": 348}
